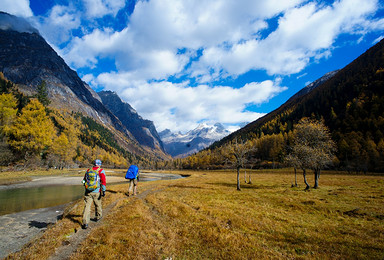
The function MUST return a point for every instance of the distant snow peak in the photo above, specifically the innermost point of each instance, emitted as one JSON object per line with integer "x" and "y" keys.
{"x": 181, "y": 145}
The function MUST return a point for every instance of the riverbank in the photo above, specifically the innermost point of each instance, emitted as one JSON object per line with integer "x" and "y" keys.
{"x": 40, "y": 181}
{"x": 18, "y": 229}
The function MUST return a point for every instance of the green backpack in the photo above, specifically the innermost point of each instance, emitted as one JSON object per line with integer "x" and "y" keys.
{"x": 92, "y": 179}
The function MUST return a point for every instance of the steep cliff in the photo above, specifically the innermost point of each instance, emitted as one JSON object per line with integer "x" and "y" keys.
{"x": 143, "y": 130}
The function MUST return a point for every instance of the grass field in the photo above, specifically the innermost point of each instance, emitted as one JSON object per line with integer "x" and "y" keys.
{"x": 205, "y": 217}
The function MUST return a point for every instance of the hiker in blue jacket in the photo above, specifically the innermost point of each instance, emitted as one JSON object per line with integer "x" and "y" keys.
{"x": 133, "y": 176}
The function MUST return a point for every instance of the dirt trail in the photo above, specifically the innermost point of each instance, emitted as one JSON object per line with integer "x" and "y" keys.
{"x": 72, "y": 244}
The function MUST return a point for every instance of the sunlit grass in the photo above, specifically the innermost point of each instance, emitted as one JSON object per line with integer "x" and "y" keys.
{"x": 205, "y": 217}
{"x": 9, "y": 177}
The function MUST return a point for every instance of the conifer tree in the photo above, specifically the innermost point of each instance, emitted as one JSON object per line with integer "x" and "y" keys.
{"x": 42, "y": 94}
{"x": 32, "y": 131}
{"x": 8, "y": 110}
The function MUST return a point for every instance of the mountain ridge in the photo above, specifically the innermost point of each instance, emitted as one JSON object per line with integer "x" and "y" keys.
{"x": 143, "y": 130}
{"x": 27, "y": 60}
{"x": 181, "y": 145}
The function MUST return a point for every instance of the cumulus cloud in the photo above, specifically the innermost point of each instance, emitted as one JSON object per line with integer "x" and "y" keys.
{"x": 227, "y": 33}
{"x": 164, "y": 27}
{"x": 179, "y": 106}
{"x": 16, "y": 7}
{"x": 303, "y": 33}
{"x": 100, "y": 8}
{"x": 58, "y": 25}
{"x": 168, "y": 41}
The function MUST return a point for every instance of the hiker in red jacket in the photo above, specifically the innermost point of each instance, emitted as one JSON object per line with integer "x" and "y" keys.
{"x": 95, "y": 185}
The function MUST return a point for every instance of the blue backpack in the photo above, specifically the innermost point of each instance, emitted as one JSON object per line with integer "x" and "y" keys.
{"x": 132, "y": 172}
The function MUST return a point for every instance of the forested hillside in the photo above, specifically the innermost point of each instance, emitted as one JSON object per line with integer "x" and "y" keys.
{"x": 351, "y": 105}
{"x": 50, "y": 117}
{"x": 32, "y": 134}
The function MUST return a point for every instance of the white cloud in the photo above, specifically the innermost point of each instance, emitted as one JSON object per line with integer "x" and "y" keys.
{"x": 58, "y": 25}
{"x": 164, "y": 27}
{"x": 303, "y": 33}
{"x": 16, "y": 7}
{"x": 205, "y": 42}
{"x": 85, "y": 51}
{"x": 179, "y": 107}
{"x": 100, "y": 8}
{"x": 229, "y": 34}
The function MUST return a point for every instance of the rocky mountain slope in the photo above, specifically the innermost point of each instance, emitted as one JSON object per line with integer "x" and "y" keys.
{"x": 27, "y": 60}
{"x": 143, "y": 130}
{"x": 182, "y": 145}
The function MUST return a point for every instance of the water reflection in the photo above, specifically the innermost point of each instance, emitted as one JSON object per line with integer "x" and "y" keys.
{"x": 16, "y": 200}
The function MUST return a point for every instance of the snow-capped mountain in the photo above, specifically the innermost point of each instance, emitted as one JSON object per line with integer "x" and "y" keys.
{"x": 182, "y": 145}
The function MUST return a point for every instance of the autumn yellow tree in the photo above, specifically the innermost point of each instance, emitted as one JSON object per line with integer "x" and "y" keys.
{"x": 8, "y": 110}
{"x": 63, "y": 151}
{"x": 33, "y": 131}
{"x": 66, "y": 146}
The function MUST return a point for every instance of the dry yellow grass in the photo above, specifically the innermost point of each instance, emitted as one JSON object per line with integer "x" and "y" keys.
{"x": 205, "y": 217}
{"x": 10, "y": 177}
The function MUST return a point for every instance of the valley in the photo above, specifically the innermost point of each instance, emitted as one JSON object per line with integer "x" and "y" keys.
{"x": 205, "y": 216}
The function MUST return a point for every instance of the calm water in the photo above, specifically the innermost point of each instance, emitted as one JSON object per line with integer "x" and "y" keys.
{"x": 16, "y": 200}
{"x": 21, "y": 199}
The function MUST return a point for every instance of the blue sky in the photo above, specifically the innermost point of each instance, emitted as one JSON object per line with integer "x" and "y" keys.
{"x": 181, "y": 62}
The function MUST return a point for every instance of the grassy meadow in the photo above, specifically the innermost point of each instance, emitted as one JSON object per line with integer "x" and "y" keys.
{"x": 204, "y": 217}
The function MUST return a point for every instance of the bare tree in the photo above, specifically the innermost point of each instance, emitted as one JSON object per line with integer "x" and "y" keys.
{"x": 236, "y": 152}
{"x": 245, "y": 175}
{"x": 293, "y": 161}
{"x": 313, "y": 148}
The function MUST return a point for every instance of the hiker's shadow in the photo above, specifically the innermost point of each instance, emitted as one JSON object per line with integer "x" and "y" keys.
{"x": 74, "y": 218}
{"x": 38, "y": 224}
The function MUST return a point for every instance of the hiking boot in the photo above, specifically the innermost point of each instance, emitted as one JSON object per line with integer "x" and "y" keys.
{"x": 85, "y": 226}
{"x": 95, "y": 219}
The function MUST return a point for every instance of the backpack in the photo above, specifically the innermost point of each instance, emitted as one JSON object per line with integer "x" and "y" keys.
{"x": 92, "y": 179}
{"x": 132, "y": 172}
